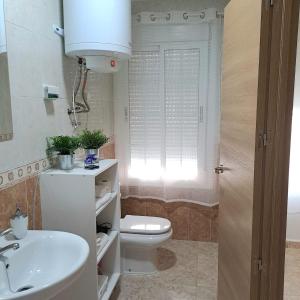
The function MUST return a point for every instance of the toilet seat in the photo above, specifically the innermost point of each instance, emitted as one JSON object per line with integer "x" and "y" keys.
{"x": 143, "y": 225}
{"x": 146, "y": 240}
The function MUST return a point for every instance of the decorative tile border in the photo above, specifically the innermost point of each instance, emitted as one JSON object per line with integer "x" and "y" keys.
{"x": 293, "y": 244}
{"x": 12, "y": 177}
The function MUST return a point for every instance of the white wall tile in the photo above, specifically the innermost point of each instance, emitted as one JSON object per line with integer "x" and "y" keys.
{"x": 36, "y": 57}
{"x": 24, "y": 61}
{"x": 35, "y": 15}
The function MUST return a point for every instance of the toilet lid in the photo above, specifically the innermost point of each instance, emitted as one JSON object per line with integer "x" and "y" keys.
{"x": 144, "y": 225}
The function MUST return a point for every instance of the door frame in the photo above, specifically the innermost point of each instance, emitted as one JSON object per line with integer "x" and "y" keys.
{"x": 279, "y": 32}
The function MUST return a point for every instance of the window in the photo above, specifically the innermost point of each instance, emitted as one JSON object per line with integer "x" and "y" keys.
{"x": 167, "y": 97}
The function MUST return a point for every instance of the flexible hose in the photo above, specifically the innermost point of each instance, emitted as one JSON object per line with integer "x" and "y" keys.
{"x": 83, "y": 94}
{"x": 78, "y": 105}
{"x": 75, "y": 89}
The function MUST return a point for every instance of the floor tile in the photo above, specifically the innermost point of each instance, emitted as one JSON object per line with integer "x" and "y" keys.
{"x": 206, "y": 293}
{"x": 292, "y": 274}
{"x": 189, "y": 271}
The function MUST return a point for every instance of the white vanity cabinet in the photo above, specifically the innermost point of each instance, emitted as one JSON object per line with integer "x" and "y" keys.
{"x": 69, "y": 203}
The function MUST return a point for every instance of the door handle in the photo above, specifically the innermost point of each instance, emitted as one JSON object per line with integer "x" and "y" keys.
{"x": 220, "y": 169}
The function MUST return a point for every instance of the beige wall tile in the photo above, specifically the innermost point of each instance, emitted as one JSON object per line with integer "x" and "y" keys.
{"x": 199, "y": 223}
{"x": 293, "y": 245}
{"x": 21, "y": 195}
{"x": 108, "y": 151}
{"x": 9, "y": 199}
{"x": 178, "y": 214}
{"x": 156, "y": 208}
{"x": 33, "y": 197}
{"x": 189, "y": 221}
{"x": 132, "y": 206}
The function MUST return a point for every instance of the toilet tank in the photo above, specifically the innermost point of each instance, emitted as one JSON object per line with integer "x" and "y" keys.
{"x": 97, "y": 28}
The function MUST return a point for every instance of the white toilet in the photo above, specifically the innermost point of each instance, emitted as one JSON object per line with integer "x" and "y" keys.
{"x": 140, "y": 238}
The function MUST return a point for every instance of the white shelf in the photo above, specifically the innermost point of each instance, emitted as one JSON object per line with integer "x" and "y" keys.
{"x": 70, "y": 195}
{"x": 101, "y": 203}
{"x": 112, "y": 236}
{"x": 105, "y": 283}
{"x": 80, "y": 170}
{"x": 111, "y": 285}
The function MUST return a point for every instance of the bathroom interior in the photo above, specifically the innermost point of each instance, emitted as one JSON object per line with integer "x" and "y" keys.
{"x": 137, "y": 218}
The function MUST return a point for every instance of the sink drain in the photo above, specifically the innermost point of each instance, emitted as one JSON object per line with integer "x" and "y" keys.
{"x": 24, "y": 288}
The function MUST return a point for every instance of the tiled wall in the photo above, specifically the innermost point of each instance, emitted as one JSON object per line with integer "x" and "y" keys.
{"x": 20, "y": 187}
{"x": 24, "y": 194}
{"x": 36, "y": 57}
{"x": 294, "y": 245}
{"x": 189, "y": 221}
{"x": 108, "y": 151}
{"x": 14, "y": 176}
{"x": 100, "y": 94}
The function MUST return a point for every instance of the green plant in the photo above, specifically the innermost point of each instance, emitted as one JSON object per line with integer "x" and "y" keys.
{"x": 64, "y": 145}
{"x": 92, "y": 139}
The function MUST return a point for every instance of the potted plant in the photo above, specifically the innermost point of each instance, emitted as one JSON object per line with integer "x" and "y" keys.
{"x": 91, "y": 141}
{"x": 65, "y": 146}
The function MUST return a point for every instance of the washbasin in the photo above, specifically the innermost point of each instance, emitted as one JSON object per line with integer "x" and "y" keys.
{"x": 45, "y": 263}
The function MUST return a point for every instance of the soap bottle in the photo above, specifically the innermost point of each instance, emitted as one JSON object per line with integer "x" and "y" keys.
{"x": 19, "y": 224}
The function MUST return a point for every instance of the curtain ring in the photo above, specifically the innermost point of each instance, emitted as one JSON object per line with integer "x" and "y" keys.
{"x": 152, "y": 18}
{"x": 185, "y": 16}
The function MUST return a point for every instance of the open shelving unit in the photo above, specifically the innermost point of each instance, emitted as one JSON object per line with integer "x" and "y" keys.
{"x": 111, "y": 285}
{"x": 104, "y": 201}
{"x": 112, "y": 236}
{"x": 69, "y": 203}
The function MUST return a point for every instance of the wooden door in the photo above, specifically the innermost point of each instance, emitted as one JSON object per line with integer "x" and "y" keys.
{"x": 241, "y": 56}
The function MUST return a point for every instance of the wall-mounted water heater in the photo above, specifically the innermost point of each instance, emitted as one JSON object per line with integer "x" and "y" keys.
{"x": 2, "y": 29}
{"x": 99, "y": 31}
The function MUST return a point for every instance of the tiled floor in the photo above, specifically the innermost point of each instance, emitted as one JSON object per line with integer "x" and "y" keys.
{"x": 292, "y": 274}
{"x": 188, "y": 270}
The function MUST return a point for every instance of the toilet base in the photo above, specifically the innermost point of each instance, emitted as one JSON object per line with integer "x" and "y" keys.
{"x": 139, "y": 260}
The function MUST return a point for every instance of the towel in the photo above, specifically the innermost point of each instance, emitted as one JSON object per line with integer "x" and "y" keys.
{"x": 102, "y": 239}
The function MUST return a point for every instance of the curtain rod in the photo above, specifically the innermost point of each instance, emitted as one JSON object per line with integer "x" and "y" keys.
{"x": 153, "y": 17}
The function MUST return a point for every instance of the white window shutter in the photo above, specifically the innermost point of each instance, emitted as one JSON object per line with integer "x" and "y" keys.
{"x": 182, "y": 112}
{"x": 166, "y": 124}
{"x": 145, "y": 114}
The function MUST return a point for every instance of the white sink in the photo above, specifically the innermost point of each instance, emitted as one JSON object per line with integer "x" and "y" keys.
{"x": 46, "y": 263}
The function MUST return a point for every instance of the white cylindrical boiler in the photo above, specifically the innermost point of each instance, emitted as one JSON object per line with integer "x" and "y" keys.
{"x": 97, "y": 28}
{"x": 2, "y": 29}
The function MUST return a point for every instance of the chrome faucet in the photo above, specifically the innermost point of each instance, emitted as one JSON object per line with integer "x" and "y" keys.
{"x": 13, "y": 246}
{"x": 5, "y": 232}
